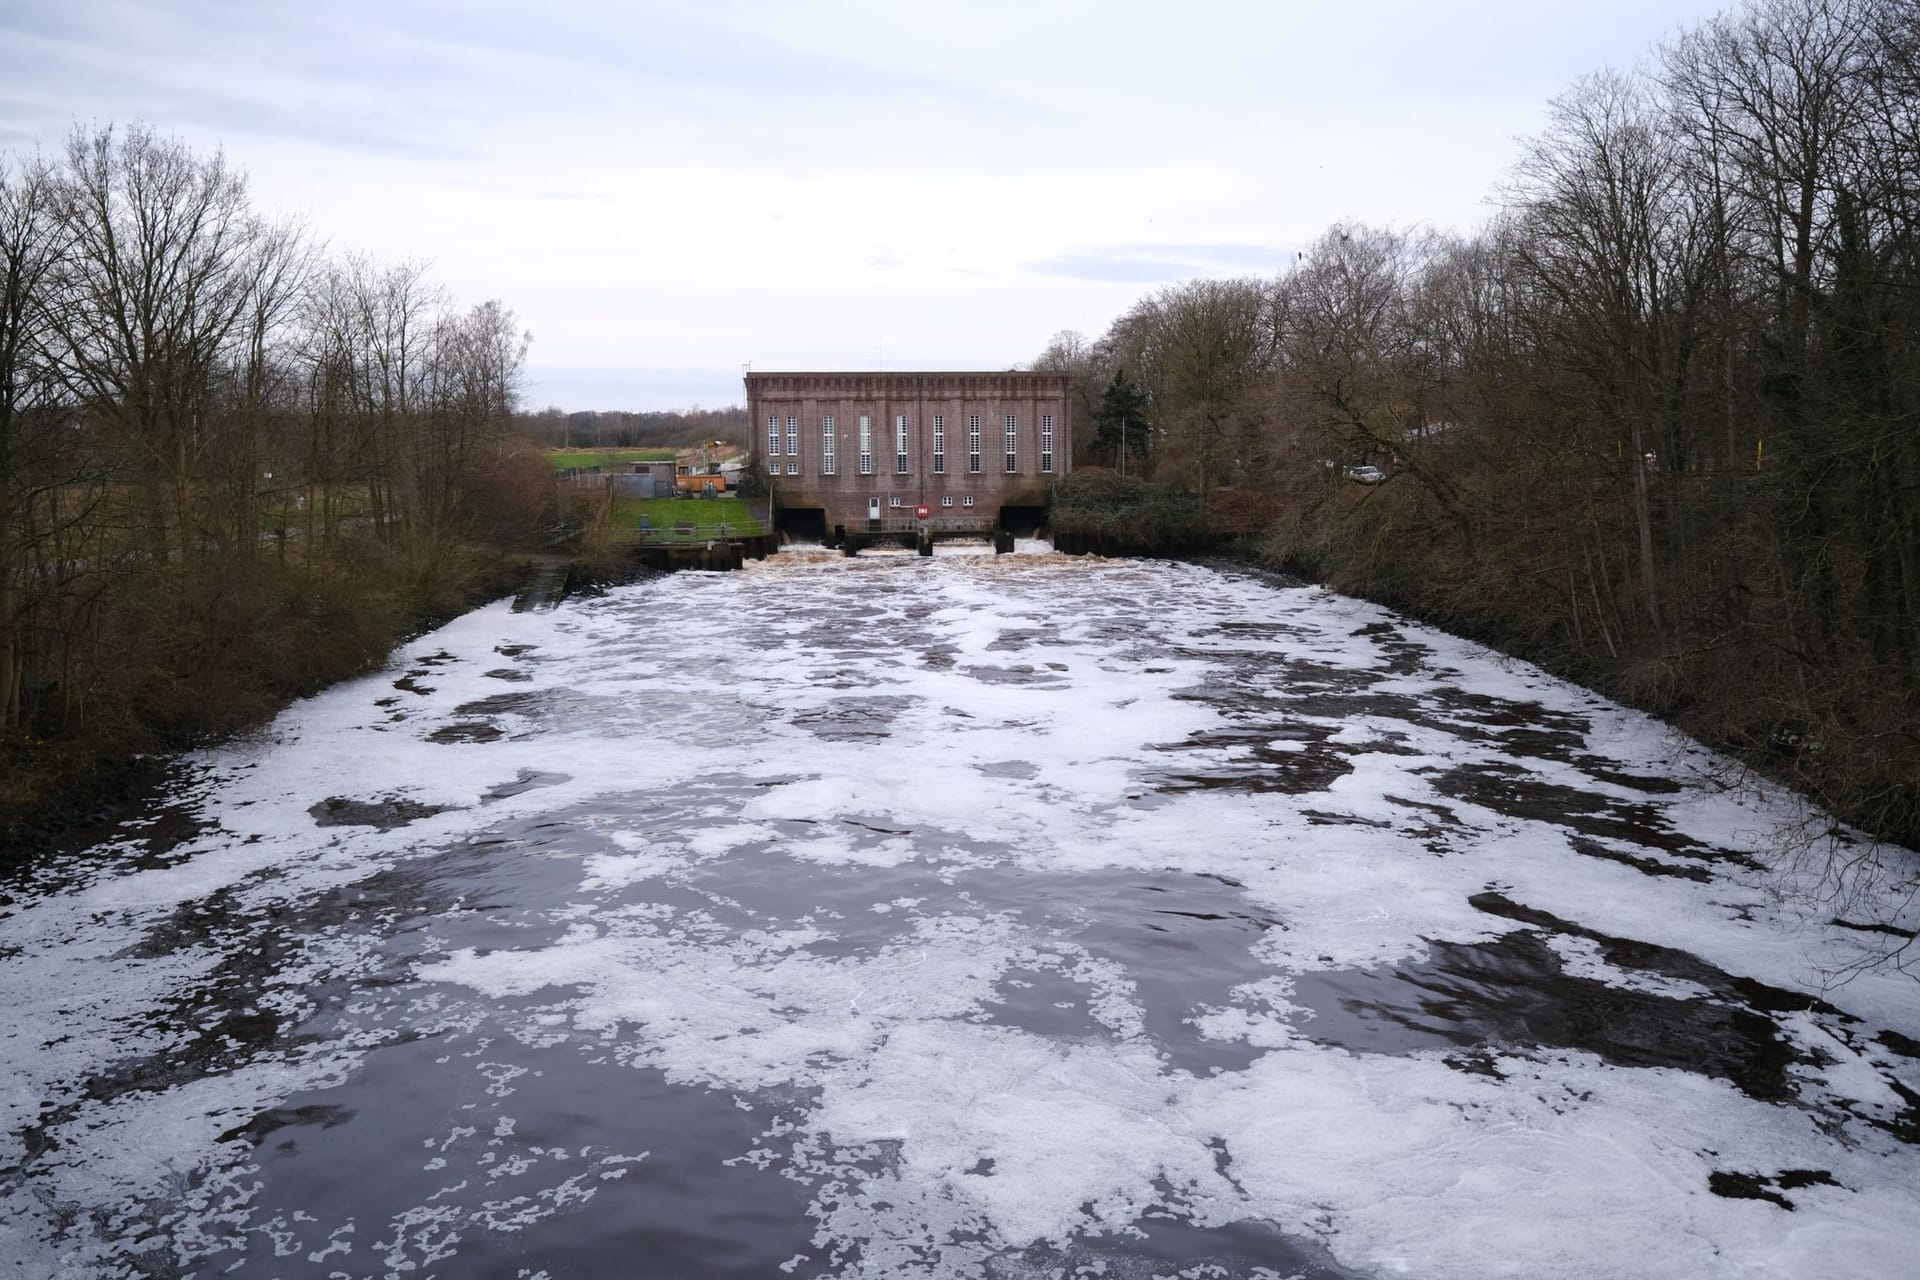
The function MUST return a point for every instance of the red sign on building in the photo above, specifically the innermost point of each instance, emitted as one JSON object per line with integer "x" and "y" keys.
{"x": 923, "y": 511}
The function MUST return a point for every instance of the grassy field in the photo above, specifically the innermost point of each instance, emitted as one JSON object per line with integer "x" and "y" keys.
{"x": 605, "y": 459}
{"x": 707, "y": 515}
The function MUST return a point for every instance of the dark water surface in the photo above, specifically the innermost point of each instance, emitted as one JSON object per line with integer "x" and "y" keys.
{"x": 973, "y": 917}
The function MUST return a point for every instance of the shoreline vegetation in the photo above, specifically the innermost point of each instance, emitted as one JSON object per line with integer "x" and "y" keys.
{"x": 1655, "y": 426}
{"x": 233, "y": 468}
{"x": 316, "y": 635}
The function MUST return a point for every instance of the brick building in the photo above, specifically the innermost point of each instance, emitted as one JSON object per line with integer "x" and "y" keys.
{"x": 979, "y": 450}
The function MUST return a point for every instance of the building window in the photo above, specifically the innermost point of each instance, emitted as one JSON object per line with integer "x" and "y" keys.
{"x": 967, "y": 501}
{"x": 866, "y": 445}
{"x": 826, "y": 446}
{"x": 773, "y": 437}
{"x": 973, "y": 443}
{"x": 940, "y": 444}
{"x": 793, "y": 468}
{"x": 947, "y": 501}
{"x": 793, "y": 437}
{"x": 1013, "y": 440}
{"x": 1046, "y": 442}
{"x": 893, "y": 502}
{"x": 900, "y": 444}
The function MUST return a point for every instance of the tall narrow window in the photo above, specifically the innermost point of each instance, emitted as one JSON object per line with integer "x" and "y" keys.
{"x": 1013, "y": 440}
{"x": 939, "y": 444}
{"x": 1046, "y": 442}
{"x": 866, "y": 445}
{"x": 973, "y": 443}
{"x": 773, "y": 437}
{"x": 900, "y": 444}
{"x": 793, "y": 437}
{"x": 826, "y": 445}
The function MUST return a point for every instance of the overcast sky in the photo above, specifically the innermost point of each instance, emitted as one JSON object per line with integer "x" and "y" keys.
{"x": 666, "y": 191}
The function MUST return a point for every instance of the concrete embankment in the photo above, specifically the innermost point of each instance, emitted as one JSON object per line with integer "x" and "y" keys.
{"x": 717, "y": 553}
{"x": 554, "y": 580}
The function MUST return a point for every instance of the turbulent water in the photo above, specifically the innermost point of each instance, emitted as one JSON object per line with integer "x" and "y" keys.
{"x": 969, "y": 917}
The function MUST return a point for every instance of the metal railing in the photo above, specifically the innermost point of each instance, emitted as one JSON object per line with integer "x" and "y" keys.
{"x": 684, "y": 532}
{"x": 980, "y": 524}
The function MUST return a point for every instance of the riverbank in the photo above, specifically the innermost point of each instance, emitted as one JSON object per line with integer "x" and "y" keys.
{"x": 1839, "y": 733}
{"x": 1838, "y": 739}
{"x": 306, "y": 631}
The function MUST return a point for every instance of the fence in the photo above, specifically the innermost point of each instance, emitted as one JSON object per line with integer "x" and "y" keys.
{"x": 981, "y": 524}
{"x": 683, "y": 532}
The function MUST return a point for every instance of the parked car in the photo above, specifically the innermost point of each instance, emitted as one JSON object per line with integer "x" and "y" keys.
{"x": 1366, "y": 475}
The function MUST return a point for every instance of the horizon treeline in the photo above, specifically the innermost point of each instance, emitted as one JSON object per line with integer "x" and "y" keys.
{"x": 1657, "y": 423}
{"x": 231, "y": 464}
{"x": 555, "y": 428}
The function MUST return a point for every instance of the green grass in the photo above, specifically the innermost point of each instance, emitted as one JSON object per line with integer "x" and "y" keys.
{"x": 605, "y": 459}
{"x": 702, "y": 513}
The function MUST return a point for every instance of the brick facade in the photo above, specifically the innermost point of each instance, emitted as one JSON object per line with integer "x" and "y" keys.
{"x": 788, "y": 413}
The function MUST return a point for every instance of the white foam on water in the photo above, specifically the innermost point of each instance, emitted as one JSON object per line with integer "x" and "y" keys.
{"x": 1010, "y": 716}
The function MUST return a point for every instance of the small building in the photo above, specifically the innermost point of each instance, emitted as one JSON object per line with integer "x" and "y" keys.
{"x": 644, "y": 480}
{"x": 978, "y": 450}
{"x": 700, "y": 482}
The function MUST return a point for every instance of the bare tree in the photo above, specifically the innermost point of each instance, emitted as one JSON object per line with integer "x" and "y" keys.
{"x": 33, "y": 244}
{"x": 473, "y": 385}
{"x": 166, "y": 258}
{"x": 1205, "y": 350}
{"x": 1615, "y": 246}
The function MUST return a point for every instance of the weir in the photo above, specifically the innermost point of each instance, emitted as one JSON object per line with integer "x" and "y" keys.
{"x": 712, "y": 554}
{"x": 918, "y": 535}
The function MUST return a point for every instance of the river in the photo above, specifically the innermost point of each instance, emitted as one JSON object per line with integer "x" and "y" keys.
{"x": 971, "y": 916}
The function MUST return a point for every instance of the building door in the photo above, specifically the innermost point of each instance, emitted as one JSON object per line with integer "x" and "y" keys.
{"x": 873, "y": 509}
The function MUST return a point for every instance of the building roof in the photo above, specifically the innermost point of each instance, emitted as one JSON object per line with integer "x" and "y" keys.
{"x": 782, "y": 378}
